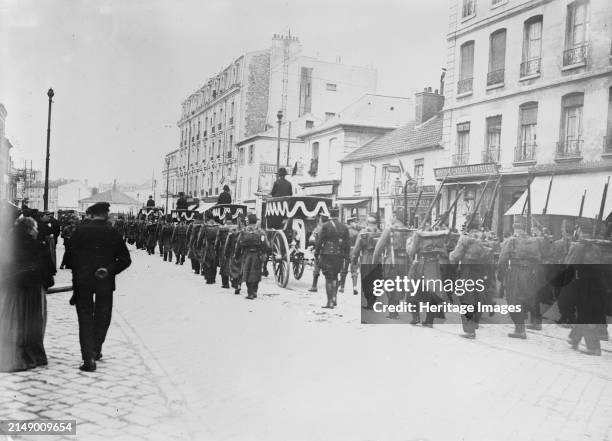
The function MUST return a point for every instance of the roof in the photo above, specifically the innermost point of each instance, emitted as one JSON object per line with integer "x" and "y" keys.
{"x": 112, "y": 197}
{"x": 405, "y": 139}
{"x": 370, "y": 111}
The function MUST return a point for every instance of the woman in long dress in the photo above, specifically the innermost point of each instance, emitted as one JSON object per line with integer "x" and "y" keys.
{"x": 23, "y": 306}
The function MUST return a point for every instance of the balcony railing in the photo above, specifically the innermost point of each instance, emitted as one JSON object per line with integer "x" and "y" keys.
{"x": 530, "y": 67}
{"x": 465, "y": 86}
{"x": 571, "y": 147}
{"x": 495, "y": 77}
{"x": 461, "y": 158}
{"x": 525, "y": 152}
{"x": 231, "y": 120}
{"x": 576, "y": 55}
{"x": 490, "y": 156}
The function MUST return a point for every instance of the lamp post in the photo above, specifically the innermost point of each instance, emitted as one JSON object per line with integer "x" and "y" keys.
{"x": 279, "y": 116}
{"x": 167, "y": 181}
{"x": 46, "y": 194}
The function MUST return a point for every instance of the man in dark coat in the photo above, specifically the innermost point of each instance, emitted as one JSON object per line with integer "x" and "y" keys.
{"x": 353, "y": 228}
{"x": 363, "y": 251}
{"x": 225, "y": 197}
{"x": 209, "y": 259}
{"x": 281, "y": 186}
{"x": 332, "y": 248}
{"x": 179, "y": 241}
{"x": 235, "y": 263}
{"x": 181, "y": 203}
{"x": 220, "y": 249}
{"x": 150, "y": 202}
{"x": 253, "y": 247}
{"x": 98, "y": 254}
{"x": 167, "y": 231}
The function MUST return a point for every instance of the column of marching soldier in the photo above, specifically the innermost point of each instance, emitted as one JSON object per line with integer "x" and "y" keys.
{"x": 526, "y": 269}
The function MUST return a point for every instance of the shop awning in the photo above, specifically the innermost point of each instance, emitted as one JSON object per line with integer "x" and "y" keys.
{"x": 351, "y": 202}
{"x": 566, "y": 194}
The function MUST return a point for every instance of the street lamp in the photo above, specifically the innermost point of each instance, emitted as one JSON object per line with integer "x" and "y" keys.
{"x": 46, "y": 194}
{"x": 279, "y": 116}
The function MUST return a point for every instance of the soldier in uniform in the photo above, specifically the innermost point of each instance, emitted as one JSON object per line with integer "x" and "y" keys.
{"x": 364, "y": 250}
{"x": 67, "y": 232}
{"x": 589, "y": 259}
{"x": 220, "y": 249}
{"x": 353, "y": 229}
{"x": 253, "y": 248}
{"x": 209, "y": 260}
{"x": 193, "y": 252}
{"x": 474, "y": 256}
{"x": 391, "y": 252}
{"x": 179, "y": 241}
{"x": 235, "y": 263}
{"x": 150, "y": 236}
{"x": 518, "y": 269}
{"x": 312, "y": 240}
{"x": 167, "y": 231}
{"x": 332, "y": 248}
{"x": 430, "y": 249}
{"x": 120, "y": 226}
{"x": 158, "y": 233}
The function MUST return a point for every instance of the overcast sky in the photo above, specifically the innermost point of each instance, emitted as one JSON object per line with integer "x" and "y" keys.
{"x": 121, "y": 68}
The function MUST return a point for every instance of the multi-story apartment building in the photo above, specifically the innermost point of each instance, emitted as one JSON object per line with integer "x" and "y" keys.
{"x": 170, "y": 179}
{"x": 5, "y": 158}
{"x": 529, "y": 93}
{"x": 244, "y": 99}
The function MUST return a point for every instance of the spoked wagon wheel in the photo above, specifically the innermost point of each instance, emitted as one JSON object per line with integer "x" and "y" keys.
{"x": 297, "y": 263}
{"x": 280, "y": 259}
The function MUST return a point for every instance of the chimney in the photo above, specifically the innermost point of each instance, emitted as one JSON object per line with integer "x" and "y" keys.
{"x": 427, "y": 104}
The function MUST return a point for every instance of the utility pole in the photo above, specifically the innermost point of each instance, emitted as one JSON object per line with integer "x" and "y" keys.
{"x": 46, "y": 193}
{"x": 288, "y": 143}
{"x": 167, "y": 181}
{"x": 279, "y": 116}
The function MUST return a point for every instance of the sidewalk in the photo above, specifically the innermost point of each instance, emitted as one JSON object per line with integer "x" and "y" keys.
{"x": 128, "y": 397}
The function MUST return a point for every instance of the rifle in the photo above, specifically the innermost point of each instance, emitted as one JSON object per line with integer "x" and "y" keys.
{"x": 548, "y": 194}
{"x": 471, "y": 218}
{"x": 602, "y": 206}
{"x": 435, "y": 200}
{"x": 488, "y": 218}
{"x": 529, "y": 206}
{"x": 446, "y": 214}
{"x": 582, "y": 204}
{"x": 454, "y": 224}
{"x": 416, "y": 207}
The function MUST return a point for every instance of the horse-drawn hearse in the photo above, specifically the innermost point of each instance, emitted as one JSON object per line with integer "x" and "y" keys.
{"x": 289, "y": 221}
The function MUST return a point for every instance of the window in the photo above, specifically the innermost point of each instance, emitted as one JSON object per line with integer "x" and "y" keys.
{"x": 239, "y": 189}
{"x": 331, "y": 86}
{"x": 570, "y": 143}
{"x": 419, "y": 169}
{"x": 249, "y": 190}
{"x": 357, "y": 186}
{"x": 305, "y": 90}
{"x": 314, "y": 160}
{"x": 497, "y": 57}
{"x": 331, "y": 154}
{"x": 463, "y": 144}
{"x": 527, "y": 133}
{"x": 469, "y": 8}
{"x": 575, "y": 34}
{"x": 251, "y": 155}
{"x": 466, "y": 71}
{"x": 492, "y": 150}
{"x": 608, "y": 139}
{"x": 329, "y": 115}
{"x": 309, "y": 124}
{"x": 532, "y": 47}
{"x": 241, "y": 156}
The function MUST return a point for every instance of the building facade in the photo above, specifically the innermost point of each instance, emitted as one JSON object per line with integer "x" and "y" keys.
{"x": 243, "y": 100}
{"x": 389, "y": 173}
{"x": 5, "y": 158}
{"x": 529, "y": 93}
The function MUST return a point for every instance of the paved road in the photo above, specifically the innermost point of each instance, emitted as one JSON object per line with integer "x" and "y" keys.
{"x": 200, "y": 362}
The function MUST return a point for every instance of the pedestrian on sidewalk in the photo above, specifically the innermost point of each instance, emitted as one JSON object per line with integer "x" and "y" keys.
{"x": 98, "y": 254}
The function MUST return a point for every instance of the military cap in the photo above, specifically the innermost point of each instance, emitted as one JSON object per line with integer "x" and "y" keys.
{"x": 99, "y": 208}
{"x": 252, "y": 218}
{"x": 282, "y": 171}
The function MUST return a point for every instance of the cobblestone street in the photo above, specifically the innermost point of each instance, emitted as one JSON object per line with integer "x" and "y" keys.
{"x": 184, "y": 360}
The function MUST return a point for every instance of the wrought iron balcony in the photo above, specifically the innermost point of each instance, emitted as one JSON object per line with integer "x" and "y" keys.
{"x": 525, "y": 152}
{"x": 576, "y": 55}
{"x": 465, "y": 86}
{"x": 490, "y": 156}
{"x": 530, "y": 67}
{"x": 461, "y": 158}
{"x": 495, "y": 77}
{"x": 571, "y": 147}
